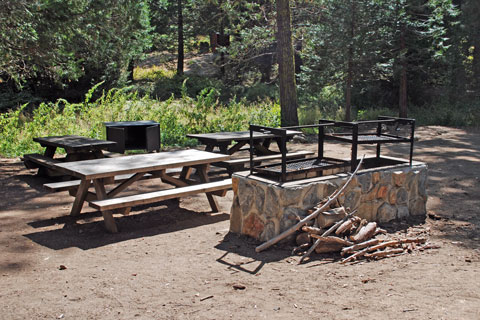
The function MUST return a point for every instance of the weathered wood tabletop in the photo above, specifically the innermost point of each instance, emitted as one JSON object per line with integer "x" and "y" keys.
{"x": 139, "y": 163}
{"x": 223, "y": 140}
{"x": 72, "y": 143}
{"x": 76, "y": 147}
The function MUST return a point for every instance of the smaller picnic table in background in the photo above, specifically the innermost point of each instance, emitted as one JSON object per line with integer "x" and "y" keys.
{"x": 233, "y": 142}
{"x": 76, "y": 148}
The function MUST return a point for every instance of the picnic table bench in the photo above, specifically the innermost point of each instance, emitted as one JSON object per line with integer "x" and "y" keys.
{"x": 76, "y": 147}
{"x": 233, "y": 142}
{"x": 122, "y": 172}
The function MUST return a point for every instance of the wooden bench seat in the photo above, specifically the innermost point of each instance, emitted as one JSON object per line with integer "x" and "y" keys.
{"x": 73, "y": 184}
{"x": 45, "y": 165}
{"x": 152, "y": 197}
{"x": 290, "y": 155}
{"x": 37, "y": 160}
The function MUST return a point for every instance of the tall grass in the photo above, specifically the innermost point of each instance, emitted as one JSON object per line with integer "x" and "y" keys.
{"x": 177, "y": 117}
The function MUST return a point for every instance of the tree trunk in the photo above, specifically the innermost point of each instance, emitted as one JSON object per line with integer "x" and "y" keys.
{"x": 130, "y": 69}
{"x": 348, "y": 89}
{"x": 181, "y": 55}
{"x": 476, "y": 61}
{"x": 286, "y": 66}
{"x": 402, "y": 99}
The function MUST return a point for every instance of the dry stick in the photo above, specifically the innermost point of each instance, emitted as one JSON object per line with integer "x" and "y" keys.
{"x": 381, "y": 246}
{"x": 302, "y": 222}
{"x": 344, "y": 227}
{"x": 312, "y": 230}
{"x": 326, "y": 233}
{"x": 359, "y": 246}
{"x": 301, "y": 247}
{"x": 381, "y": 254}
{"x": 373, "y": 248}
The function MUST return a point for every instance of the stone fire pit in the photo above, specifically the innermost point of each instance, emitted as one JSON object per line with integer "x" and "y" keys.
{"x": 264, "y": 208}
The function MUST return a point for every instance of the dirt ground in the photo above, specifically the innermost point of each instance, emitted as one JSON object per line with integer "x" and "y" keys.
{"x": 177, "y": 261}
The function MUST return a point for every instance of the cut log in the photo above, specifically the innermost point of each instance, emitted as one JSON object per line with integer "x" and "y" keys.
{"x": 344, "y": 227}
{"x": 347, "y": 225}
{"x": 365, "y": 233}
{"x": 357, "y": 225}
{"x": 331, "y": 239}
{"x": 329, "y": 247}
{"x": 329, "y": 218}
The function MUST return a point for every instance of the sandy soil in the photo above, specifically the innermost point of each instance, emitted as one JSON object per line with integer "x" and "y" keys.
{"x": 177, "y": 261}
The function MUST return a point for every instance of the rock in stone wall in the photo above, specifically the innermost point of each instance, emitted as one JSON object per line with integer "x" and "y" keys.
{"x": 263, "y": 209}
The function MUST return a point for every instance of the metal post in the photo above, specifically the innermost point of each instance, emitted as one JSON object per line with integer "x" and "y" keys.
{"x": 379, "y": 133}
{"x": 354, "y": 146}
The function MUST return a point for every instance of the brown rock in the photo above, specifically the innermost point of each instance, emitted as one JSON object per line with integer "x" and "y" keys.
{"x": 402, "y": 196}
{"x": 399, "y": 178}
{"x": 235, "y": 185}
{"x": 392, "y": 197}
{"x": 386, "y": 213}
{"x": 235, "y": 216}
{"x": 375, "y": 177}
{"x": 382, "y": 192}
{"x": 371, "y": 195}
{"x": 253, "y": 226}
{"x": 368, "y": 210}
{"x": 417, "y": 207}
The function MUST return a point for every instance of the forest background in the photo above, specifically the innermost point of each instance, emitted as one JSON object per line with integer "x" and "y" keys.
{"x": 66, "y": 66}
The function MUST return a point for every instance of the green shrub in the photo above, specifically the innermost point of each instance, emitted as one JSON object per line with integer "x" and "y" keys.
{"x": 446, "y": 114}
{"x": 177, "y": 86}
{"x": 177, "y": 117}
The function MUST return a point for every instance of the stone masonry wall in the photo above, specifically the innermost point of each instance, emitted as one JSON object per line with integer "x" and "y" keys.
{"x": 263, "y": 209}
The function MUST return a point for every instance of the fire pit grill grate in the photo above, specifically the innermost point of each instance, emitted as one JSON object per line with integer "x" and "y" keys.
{"x": 303, "y": 166}
{"x": 320, "y": 164}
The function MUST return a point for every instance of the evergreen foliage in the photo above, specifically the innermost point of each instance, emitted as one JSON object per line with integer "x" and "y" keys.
{"x": 419, "y": 58}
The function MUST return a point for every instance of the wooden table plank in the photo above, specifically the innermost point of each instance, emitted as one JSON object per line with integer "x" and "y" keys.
{"x": 107, "y": 167}
{"x": 73, "y": 142}
{"x": 217, "y": 137}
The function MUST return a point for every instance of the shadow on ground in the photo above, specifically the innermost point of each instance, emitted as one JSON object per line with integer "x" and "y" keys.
{"x": 87, "y": 231}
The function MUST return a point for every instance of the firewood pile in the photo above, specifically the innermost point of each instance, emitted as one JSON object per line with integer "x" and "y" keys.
{"x": 354, "y": 238}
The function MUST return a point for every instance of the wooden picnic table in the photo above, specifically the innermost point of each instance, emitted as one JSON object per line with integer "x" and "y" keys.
{"x": 232, "y": 142}
{"x": 76, "y": 147}
{"x": 100, "y": 172}
{"x": 222, "y": 141}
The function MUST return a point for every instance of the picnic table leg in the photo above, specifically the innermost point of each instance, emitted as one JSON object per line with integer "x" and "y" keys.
{"x": 202, "y": 172}
{"x": 80, "y": 197}
{"x": 209, "y": 147}
{"x": 49, "y": 153}
{"x": 107, "y": 215}
{"x": 186, "y": 172}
